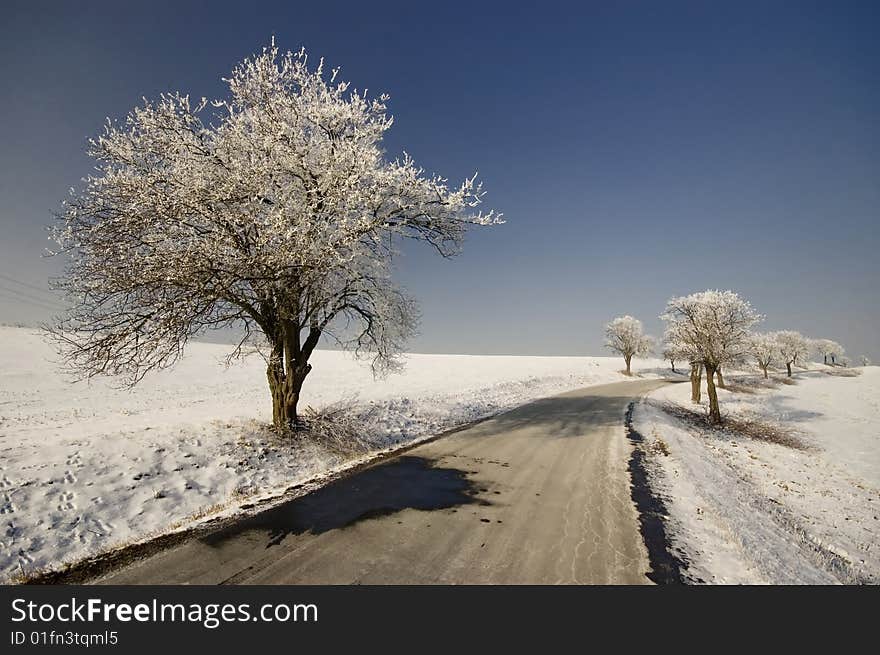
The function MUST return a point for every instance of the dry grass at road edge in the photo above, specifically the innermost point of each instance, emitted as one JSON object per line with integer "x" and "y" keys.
{"x": 751, "y": 428}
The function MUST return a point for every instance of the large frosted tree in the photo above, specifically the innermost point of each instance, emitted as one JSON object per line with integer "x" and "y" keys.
{"x": 625, "y": 336}
{"x": 273, "y": 209}
{"x": 712, "y": 327}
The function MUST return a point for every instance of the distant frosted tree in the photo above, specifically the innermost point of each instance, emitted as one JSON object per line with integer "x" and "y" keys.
{"x": 792, "y": 347}
{"x": 625, "y": 335}
{"x": 675, "y": 348}
{"x": 674, "y": 352}
{"x": 764, "y": 347}
{"x": 713, "y": 327}
{"x": 829, "y": 350}
{"x": 276, "y": 211}
{"x": 671, "y": 356}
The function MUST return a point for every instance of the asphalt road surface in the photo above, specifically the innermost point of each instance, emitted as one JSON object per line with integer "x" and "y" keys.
{"x": 536, "y": 495}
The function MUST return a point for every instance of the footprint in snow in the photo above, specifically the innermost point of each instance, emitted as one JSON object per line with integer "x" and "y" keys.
{"x": 66, "y": 501}
{"x": 7, "y": 507}
{"x": 69, "y": 477}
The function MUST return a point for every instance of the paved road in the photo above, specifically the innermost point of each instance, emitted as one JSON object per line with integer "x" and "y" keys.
{"x": 539, "y": 495}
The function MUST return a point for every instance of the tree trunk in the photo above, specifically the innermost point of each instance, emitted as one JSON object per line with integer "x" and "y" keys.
{"x": 284, "y": 401}
{"x": 696, "y": 381}
{"x": 714, "y": 411}
{"x": 283, "y": 413}
{"x": 672, "y": 361}
{"x": 764, "y": 368}
{"x": 826, "y": 359}
{"x": 285, "y": 389}
{"x": 628, "y": 359}
{"x": 720, "y": 378}
{"x": 286, "y": 372}
{"x": 788, "y": 368}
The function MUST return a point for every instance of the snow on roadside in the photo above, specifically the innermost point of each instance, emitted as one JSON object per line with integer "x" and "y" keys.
{"x": 749, "y": 511}
{"x": 85, "y": 468}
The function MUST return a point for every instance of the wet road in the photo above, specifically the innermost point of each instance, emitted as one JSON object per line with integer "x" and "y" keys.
{"x": 537, "y": 495}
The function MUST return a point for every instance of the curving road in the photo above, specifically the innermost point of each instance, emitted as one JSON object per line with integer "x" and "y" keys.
{"x": 537, "y": 495}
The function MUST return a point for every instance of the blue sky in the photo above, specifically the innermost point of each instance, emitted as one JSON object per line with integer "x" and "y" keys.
{"x": 638, "y": 149}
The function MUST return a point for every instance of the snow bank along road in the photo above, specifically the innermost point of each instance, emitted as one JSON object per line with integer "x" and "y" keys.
{"x": 539, "y": 494}
{"x": 742, "y": 510}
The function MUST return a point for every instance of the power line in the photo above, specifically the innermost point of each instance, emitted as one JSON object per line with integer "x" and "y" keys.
{"x": 27, "y": 285}
{"x": 29, "y": 301}
{"x": 30, "y": 296}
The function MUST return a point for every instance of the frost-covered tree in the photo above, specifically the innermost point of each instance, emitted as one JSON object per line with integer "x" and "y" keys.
{"x": 713, "y": 327}
{"x": 764, "y": 347}
{"x": 677, "y": 350}
{"x": 273, "y": 208}
{"x": 792, "y": 347}
{"x": 625, "y": 335}
{"x": 673, "y": 352}
{"x": 671, "y": 356}
{"x": 828, "y": 349}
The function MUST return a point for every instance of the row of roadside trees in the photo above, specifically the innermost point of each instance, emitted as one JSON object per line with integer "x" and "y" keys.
{"x": 712, "y": 331}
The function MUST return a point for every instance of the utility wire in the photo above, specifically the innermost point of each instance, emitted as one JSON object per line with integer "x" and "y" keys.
{"x": 30, "y": 296}
{"x": 29, "y": 301}
{"x": 27, "y": 285}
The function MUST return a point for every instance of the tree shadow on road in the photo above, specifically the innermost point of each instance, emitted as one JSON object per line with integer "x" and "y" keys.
{"x": 406, "y": 482}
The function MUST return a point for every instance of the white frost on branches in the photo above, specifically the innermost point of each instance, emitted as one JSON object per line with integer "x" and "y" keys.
{"x": 712, "y": 329}
{"x": 273, "y": 208}
{"x": 764, "y": 347}
{"x": 625, "y": 335}
{"x": 674, "y": 351}
{"x": 829, "y": 350}
{"x": 793, "y": 346}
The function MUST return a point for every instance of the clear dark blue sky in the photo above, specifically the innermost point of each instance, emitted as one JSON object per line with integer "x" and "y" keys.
{"x": 638, "y": 150}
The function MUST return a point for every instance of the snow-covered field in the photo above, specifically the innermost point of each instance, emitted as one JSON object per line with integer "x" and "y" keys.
{"x": 85, "y": 467}
{"x": 747, "y": 511}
